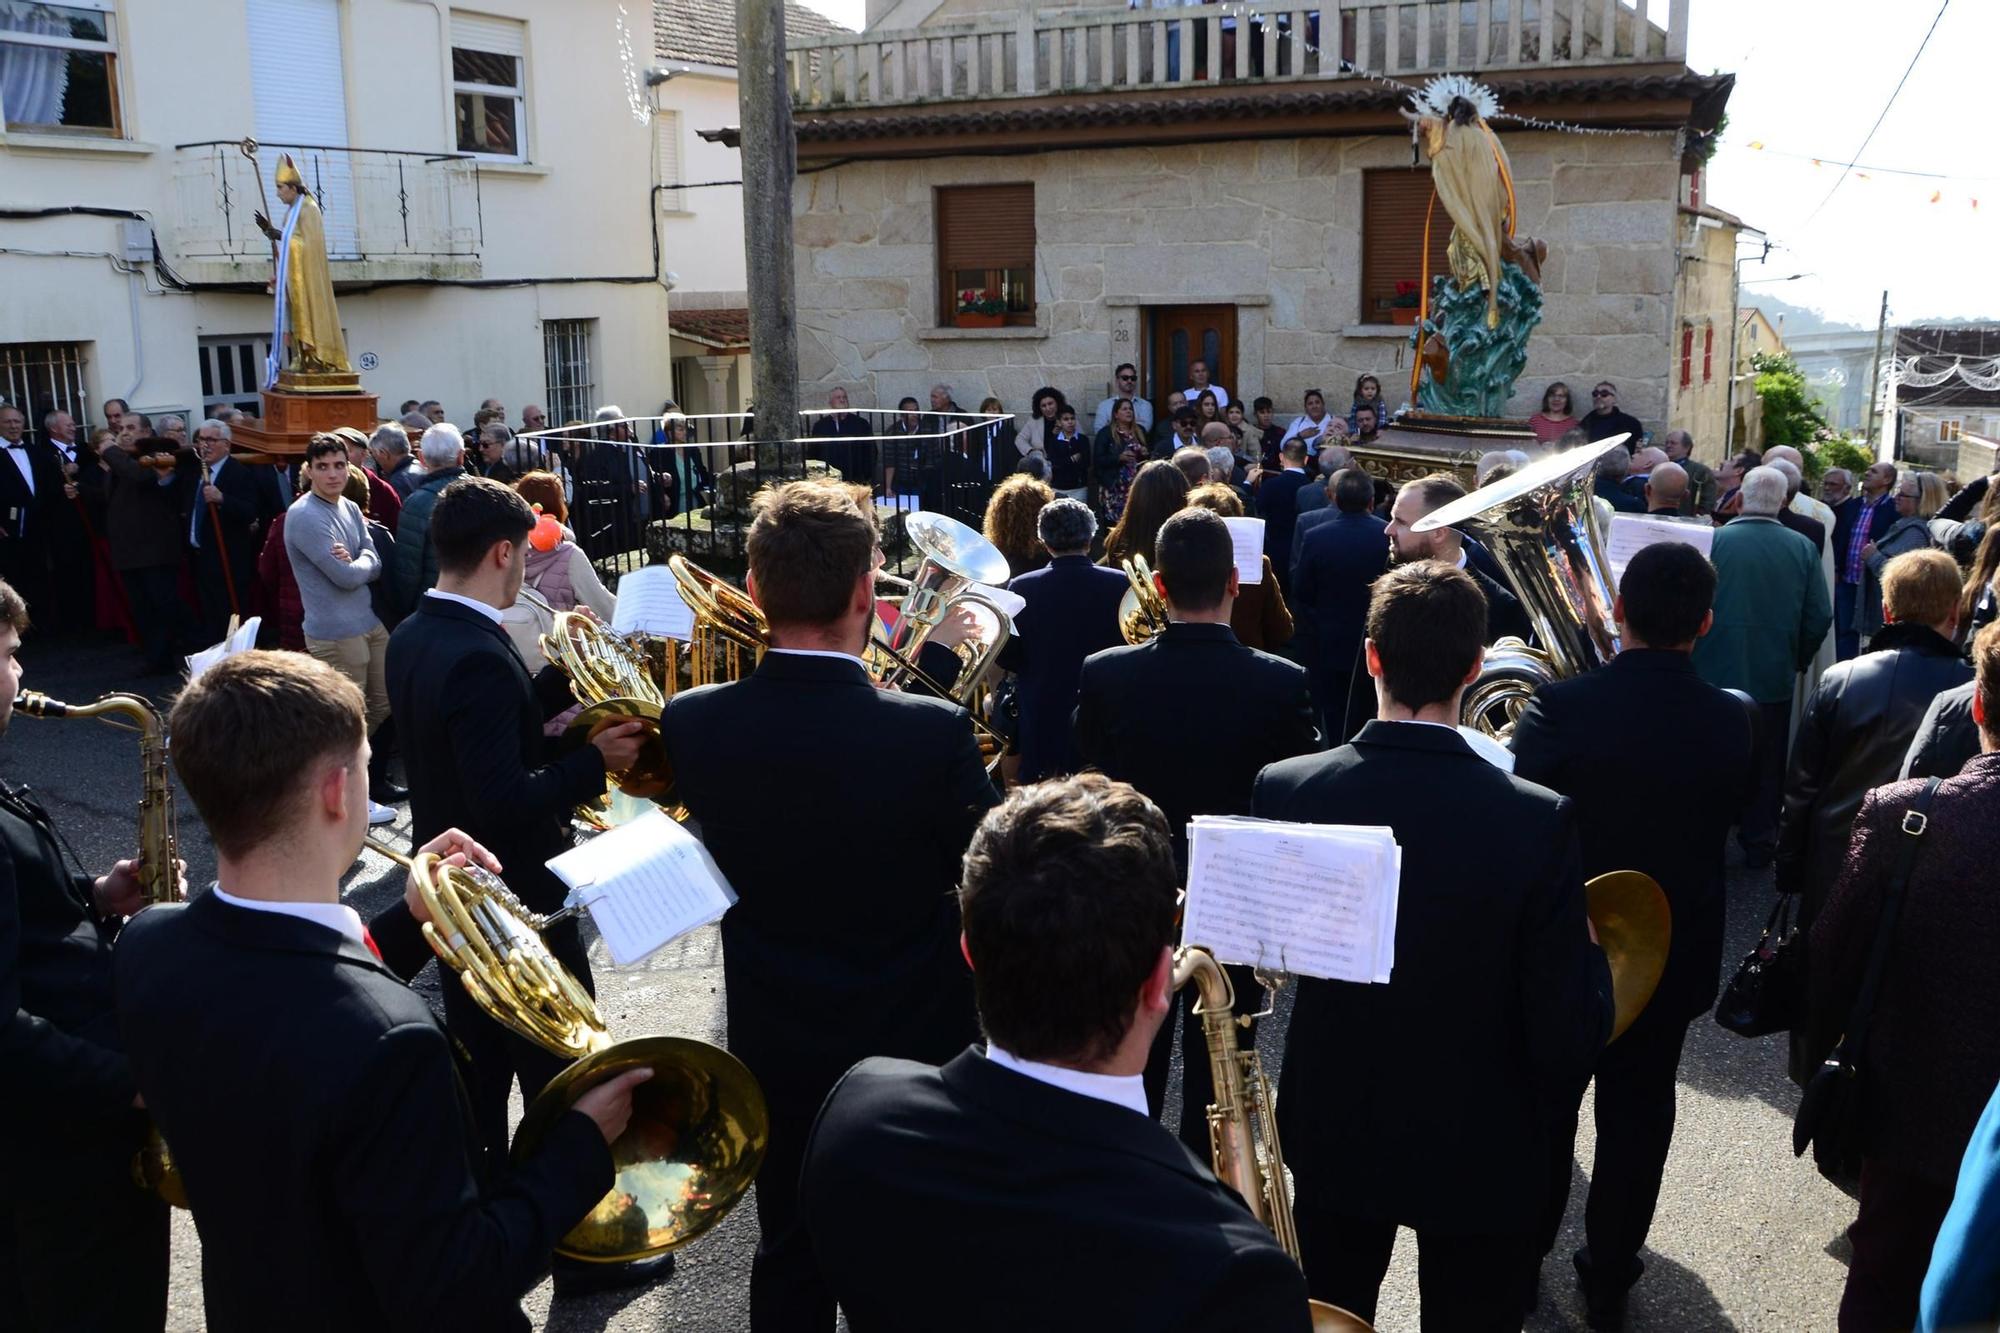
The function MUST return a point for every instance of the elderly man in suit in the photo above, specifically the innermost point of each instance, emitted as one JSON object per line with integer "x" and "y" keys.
{"x": 1071, "y": 612}
{"x": 31, "y": 487}
{"x": 355, "y": 1196}
{"x": 227, "y": 506}
{"x": 1771, "y": 611}
{"x": 837, "y": 948}
{"x": 1575, "y": 738}
{"x": 1337, "y": 563}
{"x": 1497, "y": 986}
{"x": 470, "y": 727}
{"x": 142, "y": 528}
{"x": 1034, "y": 1157}
{"x": 1192, "y": 771}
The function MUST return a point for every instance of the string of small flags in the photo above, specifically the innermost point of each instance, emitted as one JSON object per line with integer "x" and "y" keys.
{"x": 1939, "y": 194}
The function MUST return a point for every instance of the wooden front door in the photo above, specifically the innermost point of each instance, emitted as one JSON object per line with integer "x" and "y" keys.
{"x": 1184, "y": 333}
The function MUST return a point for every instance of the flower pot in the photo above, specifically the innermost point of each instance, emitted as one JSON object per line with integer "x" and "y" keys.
{"x": 1403, "y": 314}
{"x": 966, "y": 319}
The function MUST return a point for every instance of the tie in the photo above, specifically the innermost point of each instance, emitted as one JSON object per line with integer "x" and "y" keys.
{"x": 369, "y": 939}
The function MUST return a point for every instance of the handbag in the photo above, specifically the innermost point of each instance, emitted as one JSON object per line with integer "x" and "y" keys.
{"x": 1830, "y": 1113}
{"x": 1763, "y": 996}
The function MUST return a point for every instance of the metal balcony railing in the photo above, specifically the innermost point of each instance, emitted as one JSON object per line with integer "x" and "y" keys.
{"x": 1069, "y": 51}
{"x": 379, "y": 205}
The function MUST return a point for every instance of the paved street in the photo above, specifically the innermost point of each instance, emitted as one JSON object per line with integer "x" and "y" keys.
{"x": 1746, "y": 1237}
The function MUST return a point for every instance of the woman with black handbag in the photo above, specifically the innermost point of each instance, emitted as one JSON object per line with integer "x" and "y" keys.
{"x": 1902, "y": 976}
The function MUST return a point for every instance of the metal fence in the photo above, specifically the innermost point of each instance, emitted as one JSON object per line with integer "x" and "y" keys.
{"x": 643, "y": 488}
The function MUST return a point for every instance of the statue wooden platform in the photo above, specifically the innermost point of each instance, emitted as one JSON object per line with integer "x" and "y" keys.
{"x": 291, "y": 418}
{"x": 1417, "y": 444}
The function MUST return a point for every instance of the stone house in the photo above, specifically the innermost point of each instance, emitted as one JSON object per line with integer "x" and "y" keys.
{"x": 1946, "y": 382}
{"x": 1153, "y": 186}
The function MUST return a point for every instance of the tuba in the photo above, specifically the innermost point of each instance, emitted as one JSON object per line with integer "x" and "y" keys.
{"x": 153, "y": 1167}
{"x": 1541, "y": 526}
{"x": 1142, "y": 612}
{"x": 954, "y": 559}
{"x": 699, "y": 1126}
{"x": 1242, "y": 1126}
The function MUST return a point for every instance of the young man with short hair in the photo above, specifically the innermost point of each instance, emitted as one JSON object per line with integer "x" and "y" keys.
{"x": 1497, "y": 985}
{"x": 833, "y": 951}
{"x": 1027, "y": 1173}
{"x": 1122, "y": 695}
{"x": 308, "y": 1096}
{"x": 1576, "y": 737}
{"x": 333, "y": 561}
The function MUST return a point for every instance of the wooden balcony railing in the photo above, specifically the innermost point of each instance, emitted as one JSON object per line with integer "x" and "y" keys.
{"x": 1118, "y": 49}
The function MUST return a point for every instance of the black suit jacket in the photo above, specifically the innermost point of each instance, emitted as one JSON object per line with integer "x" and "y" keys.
{"x": 59, "y": 1047}
{"x": 1278, "y": 503}
{"x": 469, "y": 722}
{"x": 245, "y": 507}
{"x": 1338, "y": 563}
{"x": 1499, "y": 1000}
{"x": 1072, "y": 612}
{"x": 1504, "y": 613}
{"x": 1194, "y": 770}
{"x": 923, "y": 1186}
{"x": 1577, "y": 737}
{"x": 313, "y": 1105}
{"x": 1810, "y": 528}
{"x": 23, "y": 513}
{"x": 843, "y": 942}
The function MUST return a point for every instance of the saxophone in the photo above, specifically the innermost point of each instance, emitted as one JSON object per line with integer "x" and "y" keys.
{"x": 159, "y": 866}
{"x": 1242, "y": 1124}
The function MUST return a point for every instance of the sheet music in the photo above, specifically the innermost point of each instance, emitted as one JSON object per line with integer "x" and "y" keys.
{"x": 244, "y": 639}
{"x": 646, "y": 884}
{"x": 649, "y": 601}
{"x": 1633, "y": 533}
{"x": 1316, "y": 900}
{"x": 1010, "y": 602}
{"x": 1247, "y": 535}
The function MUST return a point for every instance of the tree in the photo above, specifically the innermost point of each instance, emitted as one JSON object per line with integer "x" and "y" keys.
{"x": 1791, "y": 414}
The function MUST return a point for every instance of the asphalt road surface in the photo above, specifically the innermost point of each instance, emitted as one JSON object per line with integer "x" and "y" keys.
{"x": 1746, "y": 1237}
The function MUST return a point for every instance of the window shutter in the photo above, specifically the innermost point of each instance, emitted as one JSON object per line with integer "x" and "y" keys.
{"x": 667, "y": 146}
{"x": 500, "y": 37}
{"x": 1687, "y": 355}
{"x": 1708, "y": 353}
{"x": 986, "y": 226}
{"x": 1394, "y": 201}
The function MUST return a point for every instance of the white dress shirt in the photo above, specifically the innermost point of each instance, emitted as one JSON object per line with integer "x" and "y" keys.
{"x": 492, "y": 613}
{"x": 334, "y": 916}
{"x": 18, "y": 451}
{"x": 1126, "y": 1090}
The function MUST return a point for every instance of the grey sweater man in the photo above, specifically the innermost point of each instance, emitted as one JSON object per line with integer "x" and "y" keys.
{"x": 334, "y": 591}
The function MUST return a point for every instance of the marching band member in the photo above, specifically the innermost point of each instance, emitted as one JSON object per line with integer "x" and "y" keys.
{"x": 1419, "y": 1102}
{"x": 310, "y": 1097}
{"x": 471, "y": 734}
{"x": 843, "y": 941}
{"x": 70, "y": 1120}
{"x": 1201, "y": 768}
{"x": 1028, "y": 1174}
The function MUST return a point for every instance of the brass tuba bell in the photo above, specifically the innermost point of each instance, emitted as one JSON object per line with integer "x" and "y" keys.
{"x": 699, "y": 1126}
{"x": 1142, "y": 612}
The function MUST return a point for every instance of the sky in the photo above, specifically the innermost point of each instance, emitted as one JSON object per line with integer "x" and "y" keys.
{"x": 1811, "y": 78}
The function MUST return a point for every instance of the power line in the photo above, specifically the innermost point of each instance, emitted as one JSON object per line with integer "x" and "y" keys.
{"x": 1907, "y": 71}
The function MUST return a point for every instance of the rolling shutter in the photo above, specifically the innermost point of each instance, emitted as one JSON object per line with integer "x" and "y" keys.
{"x": 986, "y": 226}
{"x": 500, "y": 37}
{"x": 1393, "y": 203}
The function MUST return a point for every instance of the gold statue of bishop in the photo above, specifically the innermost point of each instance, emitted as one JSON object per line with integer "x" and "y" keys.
{"x": 307, "y": 347}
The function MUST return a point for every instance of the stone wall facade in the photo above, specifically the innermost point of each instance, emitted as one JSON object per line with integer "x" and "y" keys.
{"x": 1273, "y": 227}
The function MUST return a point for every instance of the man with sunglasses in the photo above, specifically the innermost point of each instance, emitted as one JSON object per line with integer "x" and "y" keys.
{"x": 1605, "y": 420}
{"x": 1124, "y": 384}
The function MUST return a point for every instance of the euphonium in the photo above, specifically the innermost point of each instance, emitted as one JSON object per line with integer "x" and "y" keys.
{"x": 1142, "y": 612}
{"x": 617, "y": 678}
{"x": 699, "y": 1126}
{"x": 159, "y": 866}
{"x": 1541, "y": 525}
{"x": 954, "y": 559}
{"x": 1242, "y": 1125}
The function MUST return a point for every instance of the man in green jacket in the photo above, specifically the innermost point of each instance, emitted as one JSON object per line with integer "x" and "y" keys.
{"x": 1771, "y": 612}
{"x": 415, "y": 568}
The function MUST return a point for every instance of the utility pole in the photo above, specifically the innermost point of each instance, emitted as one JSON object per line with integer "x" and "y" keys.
{"x": 770, "y": 161}
{"x": 1885, "y": 449}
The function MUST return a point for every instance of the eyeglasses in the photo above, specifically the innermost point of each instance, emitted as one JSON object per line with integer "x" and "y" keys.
{"x": 1603, "y": 393}
{"x": 1128, "y": 377}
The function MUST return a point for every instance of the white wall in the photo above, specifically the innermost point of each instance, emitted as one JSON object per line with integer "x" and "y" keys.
{"x": 703, "y": 242}
{"x": 579, "y": 209}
